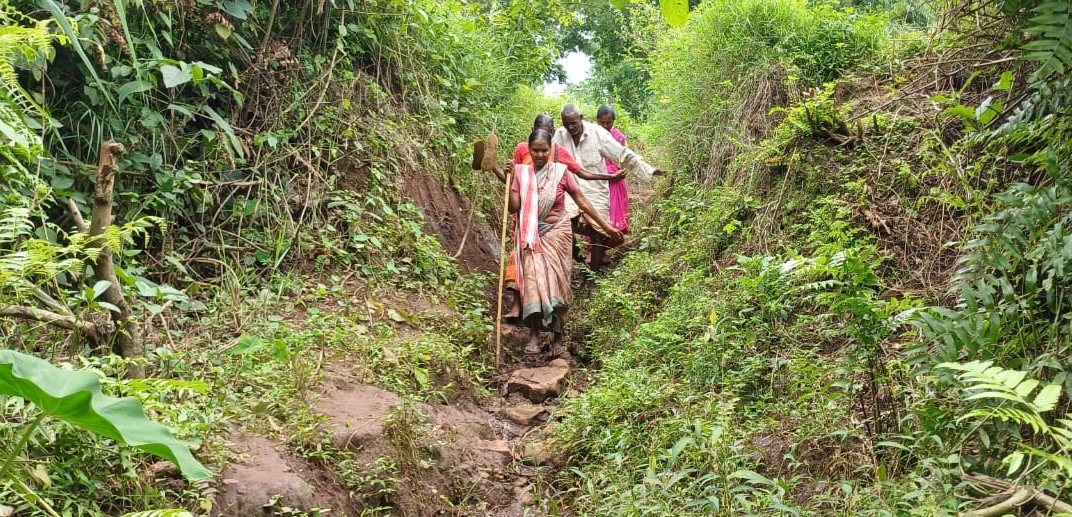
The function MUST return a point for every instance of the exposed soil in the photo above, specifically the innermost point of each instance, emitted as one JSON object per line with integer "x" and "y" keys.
{"x": 269, "y": 477}
{"x": 471, "y": 458}
{"x": 477, "y": 456}
{"x": 447, "y": 216}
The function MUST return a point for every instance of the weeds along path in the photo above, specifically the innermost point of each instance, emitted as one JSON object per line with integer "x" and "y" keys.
{"x": 382, "y": 415}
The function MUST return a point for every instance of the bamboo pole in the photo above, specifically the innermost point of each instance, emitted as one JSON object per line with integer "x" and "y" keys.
{"x": 503, "y": 253}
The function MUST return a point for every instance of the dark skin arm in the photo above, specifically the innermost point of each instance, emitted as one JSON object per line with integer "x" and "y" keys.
{"x": 500, "y": 172}
{"x": 515, "y": 197}
{"x": 583, "y": 173}
{"x": 594, "y": 176}
{"x": 614, "y": 236}
{"x": 515, "y": 201}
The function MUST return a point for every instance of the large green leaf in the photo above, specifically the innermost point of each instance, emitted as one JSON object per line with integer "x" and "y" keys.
{"x": 77, "y": 398}
{"x": 675, "y": 12}
{"x": 176, "y": 75}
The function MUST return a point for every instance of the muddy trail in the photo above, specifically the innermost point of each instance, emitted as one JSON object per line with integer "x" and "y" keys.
{"x": 479, "y": 455}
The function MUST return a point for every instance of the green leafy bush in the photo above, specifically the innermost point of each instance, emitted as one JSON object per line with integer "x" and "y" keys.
{"x": 1011, "y": 290}
{"x": 47, "y": 411}
{"x": 714, "y": 79}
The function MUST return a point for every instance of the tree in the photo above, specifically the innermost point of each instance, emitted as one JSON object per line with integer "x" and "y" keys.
{"x": 619, "y": 41}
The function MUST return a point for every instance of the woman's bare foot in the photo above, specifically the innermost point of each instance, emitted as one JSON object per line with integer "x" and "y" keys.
{"x": 533, "y": 346}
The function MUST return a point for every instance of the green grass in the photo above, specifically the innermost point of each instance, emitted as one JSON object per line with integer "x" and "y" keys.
{"x": 257, "y": 365}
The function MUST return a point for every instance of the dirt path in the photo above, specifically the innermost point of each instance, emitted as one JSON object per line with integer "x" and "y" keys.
{"x": 479, "y": 457}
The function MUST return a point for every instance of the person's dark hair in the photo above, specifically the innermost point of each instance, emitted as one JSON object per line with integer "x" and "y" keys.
{"x": 606, "y": 109}
{"x": 539, "y": 134}
{"x": 543, "y": 119}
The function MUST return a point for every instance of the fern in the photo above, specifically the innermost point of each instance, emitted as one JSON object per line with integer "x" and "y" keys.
{"x": 27, "y": 262}
{"x": 14, "y": 224}
{"x": 174, "y": 512}
{"x": 1021, "y": 401}
{"x": 20, "y": 46}
{"x": 1052, "y": 24}
{"x": 1011, "y": 281}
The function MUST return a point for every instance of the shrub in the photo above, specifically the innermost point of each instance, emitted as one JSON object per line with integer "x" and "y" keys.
{"x": 716, "y": 78}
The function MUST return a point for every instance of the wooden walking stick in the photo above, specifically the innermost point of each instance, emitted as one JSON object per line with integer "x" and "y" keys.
{"x": 503, "y": 253}
{"x": 485, "y": 158}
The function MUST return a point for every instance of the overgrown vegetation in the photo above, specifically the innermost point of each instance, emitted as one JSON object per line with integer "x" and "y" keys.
{"x": 261, "y": 139}
{"x": 849, "y": 297}
{"x": 781, "y": 340}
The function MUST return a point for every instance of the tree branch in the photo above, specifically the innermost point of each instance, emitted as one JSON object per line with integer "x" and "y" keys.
{"x": 271, "y": 21}
{"x": 76, "y": 214}
{"x": 1052, "y": 503}
{"x": 51, "y": 302}
{"x": 65, "y": 322}
{"x": 1017, "y": 496}
{"x": 1010, "y": 505}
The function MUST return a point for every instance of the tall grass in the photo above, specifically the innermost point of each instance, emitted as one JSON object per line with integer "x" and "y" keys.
{"x": 716, "y": 78}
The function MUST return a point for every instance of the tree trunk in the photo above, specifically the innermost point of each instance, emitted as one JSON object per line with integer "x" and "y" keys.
{"x": 127, "y": 341}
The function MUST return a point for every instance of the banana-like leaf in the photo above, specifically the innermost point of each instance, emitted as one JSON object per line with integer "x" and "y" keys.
{"x": 76, "y": 397}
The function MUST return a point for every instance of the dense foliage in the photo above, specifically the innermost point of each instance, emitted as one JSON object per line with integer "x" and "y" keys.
{"x": 260, "y": 137}
{"x": 849, "y": 297}
{"x": 619, "y": 42}
{"x": 794, "y": 340}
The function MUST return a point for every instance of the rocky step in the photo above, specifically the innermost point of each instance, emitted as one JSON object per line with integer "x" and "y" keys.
{"x": 539, "y": 384}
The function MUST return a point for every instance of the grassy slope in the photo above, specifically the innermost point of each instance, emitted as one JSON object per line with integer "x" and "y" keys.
{"x": 750, "y": 348}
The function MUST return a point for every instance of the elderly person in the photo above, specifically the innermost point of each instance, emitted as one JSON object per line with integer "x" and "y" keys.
{"x": 543, "y": 238}
{"x": 546, "y": 123}
{"x": 590, "y": 144}
{"x": 512, "y": 298}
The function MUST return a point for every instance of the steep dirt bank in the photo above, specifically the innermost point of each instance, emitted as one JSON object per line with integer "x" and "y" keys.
{"x": 448, "y": 216}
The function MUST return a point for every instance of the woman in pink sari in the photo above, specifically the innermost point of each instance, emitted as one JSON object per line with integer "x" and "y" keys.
{"x": 619, "y": 192}
{"x": 543, "y": 240}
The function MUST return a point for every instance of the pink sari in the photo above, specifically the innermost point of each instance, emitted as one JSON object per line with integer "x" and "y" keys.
{"x": 619, "y": 192}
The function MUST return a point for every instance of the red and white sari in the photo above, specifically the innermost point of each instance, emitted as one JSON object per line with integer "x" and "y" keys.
{"x": 544, "y": 249}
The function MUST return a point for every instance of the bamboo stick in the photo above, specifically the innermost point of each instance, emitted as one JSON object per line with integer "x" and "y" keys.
{"x": 503, "y": 253}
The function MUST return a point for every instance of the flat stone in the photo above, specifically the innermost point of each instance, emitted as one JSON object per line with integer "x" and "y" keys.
{"x": 523, "y": 415}
{"x": 357, "y": 414}
{"x": 493, "y": 452}
{"x": 536, "y": 454}
{"x": 537, "y": 384}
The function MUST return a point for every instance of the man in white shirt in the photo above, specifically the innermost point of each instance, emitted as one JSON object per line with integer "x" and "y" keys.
{"x": 589, "y": 144}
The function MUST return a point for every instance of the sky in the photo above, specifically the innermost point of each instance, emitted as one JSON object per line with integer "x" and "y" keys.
{"x": 577, "y": 65}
